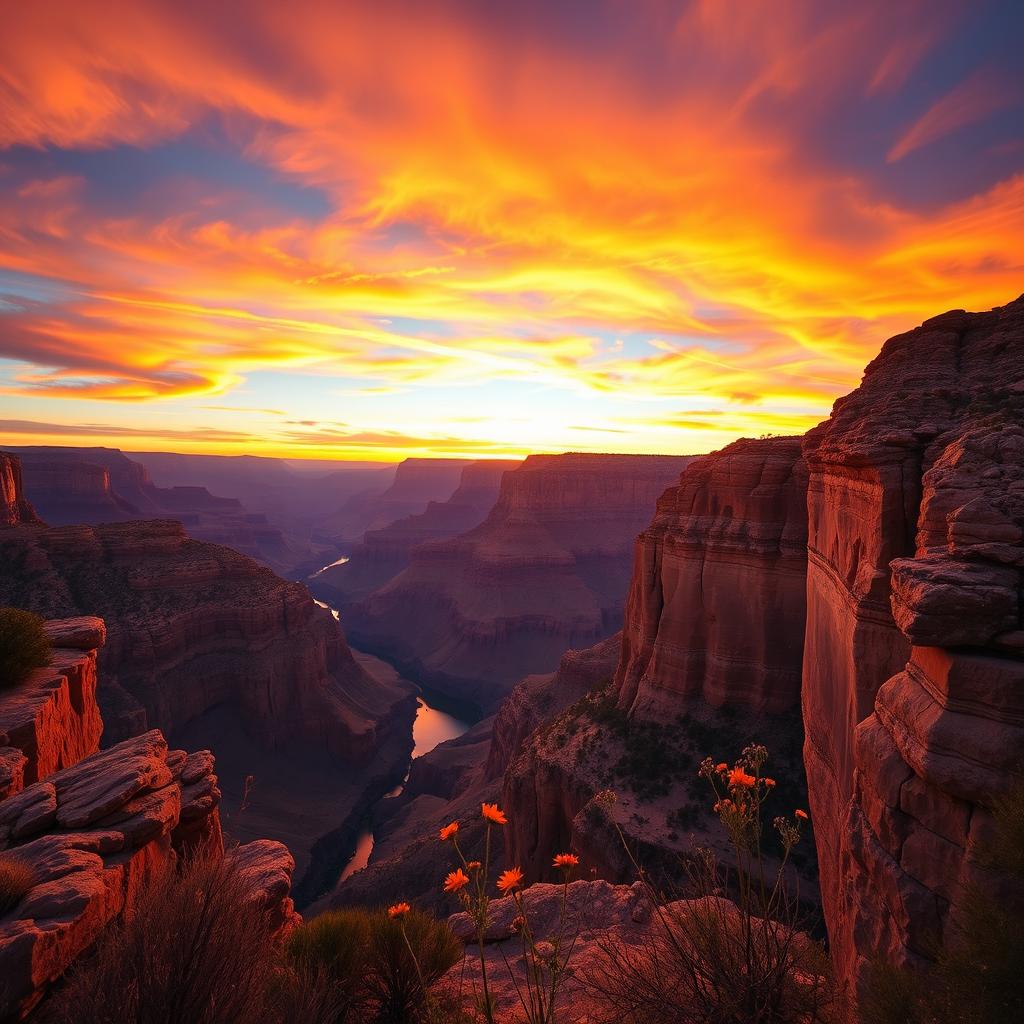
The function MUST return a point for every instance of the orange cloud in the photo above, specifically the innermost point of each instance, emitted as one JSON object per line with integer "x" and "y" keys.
{"x": 648, "y": 216}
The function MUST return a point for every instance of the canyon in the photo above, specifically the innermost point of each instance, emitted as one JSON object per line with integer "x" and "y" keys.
{"x": 547, "y": 570}
{"x": 216, "y": 650}
{"x": 851, "y": 598}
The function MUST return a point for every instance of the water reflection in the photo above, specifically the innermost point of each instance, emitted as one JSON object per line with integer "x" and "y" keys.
{"x": 340, "y": 561}
{"x": 431, "y": 727}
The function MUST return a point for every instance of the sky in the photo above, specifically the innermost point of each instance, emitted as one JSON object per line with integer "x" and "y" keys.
{"x": 479, "y": 228}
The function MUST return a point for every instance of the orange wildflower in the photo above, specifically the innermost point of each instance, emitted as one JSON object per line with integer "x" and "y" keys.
{"x": 456, "y": 880}
{"x": 769, "y": 783}
{"x": 448, "y": 831}
{"x": 473, "y": 865}
{"x": 492, "y": 813}
{"x": 399, "y": 910}
{"x": 801, "y": 814}
{"x": 508, "y": 880}
{"x": 738, "y": 777}
{"x": 565, "y": 860}
{"x": 721, "y": 768}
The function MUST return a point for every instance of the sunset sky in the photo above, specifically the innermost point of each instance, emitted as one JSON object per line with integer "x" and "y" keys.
{"x": 377, "y": 229}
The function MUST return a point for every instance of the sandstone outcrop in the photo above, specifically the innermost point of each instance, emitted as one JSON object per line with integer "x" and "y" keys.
{"x": 914, "y": 661}
{"x": 384, "y": 553}
{"x": 717, "y": 602}
{"x": 546, "y": 571}
{"x": 52, "y": 719}
{"x": 96, "y": 826}
{"x": 218, "y": 651}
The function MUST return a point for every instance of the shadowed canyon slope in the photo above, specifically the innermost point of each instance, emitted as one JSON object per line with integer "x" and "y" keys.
{"x": 212, "y": 648}
{"x": 547, "y": 570}
{"x": 384, "y": 553}
{"x": 914, "y": 664}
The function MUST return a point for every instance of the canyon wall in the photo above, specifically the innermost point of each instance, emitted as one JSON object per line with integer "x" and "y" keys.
{"x": 382, "y": 554}
{"x": 14, "y": 506}
{"x": 717, "y": 600}
{"x": 546, "y": 571}
{"x": 96, "y": 827}
{"x": 914, "y": 663}
{"x": 214, "y": 649}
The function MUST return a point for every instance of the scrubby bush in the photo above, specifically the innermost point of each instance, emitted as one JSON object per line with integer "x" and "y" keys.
{"x": 409, "y": 955}
{"x": 367, "y": 965}
{"x": 16, "y": 879}
{"x": 194, "y": 948}
{"x": 711, "y": 960}
{"x": 978, "y": 975}
{"x": 23, "y": 645}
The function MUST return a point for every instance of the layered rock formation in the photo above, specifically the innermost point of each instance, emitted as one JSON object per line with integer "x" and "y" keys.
{"x": 914, "y": 664}
{"x": 102, "y": 485}
{"x": 52, "y": 719}
{"x": 95, "y": 827}
{"x": 717, "y": 601}
{"x": 546, "y": 571}
{"x": 384, "y": 553}
{"x": 217, "y": 650}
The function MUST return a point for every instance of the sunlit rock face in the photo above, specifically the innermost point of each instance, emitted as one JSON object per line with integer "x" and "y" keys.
{"x": 546, "y": 571}
{"x": 14, "y": 506}
{"x": 914, "y": 653}
{"x": 384, "y": 553}
{"x": 717, "y": 600}
{"x": 98, "y": 826}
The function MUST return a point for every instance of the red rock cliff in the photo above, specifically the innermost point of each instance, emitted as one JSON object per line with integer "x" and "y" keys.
{"x": 14, "y": 508}
{"x": 914, "y": 655}
{"x": 716, "y": 603}
{"x": 547, "y": 570}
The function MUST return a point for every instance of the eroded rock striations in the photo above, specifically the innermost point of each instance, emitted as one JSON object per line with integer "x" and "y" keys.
{"x": 14, "y": 506}
{"x": 385, "y": 552}
{"x": 96, "y": 826}
{"x": 716, "y": 605}
{"x": 217, "y": 650}
{"x": 914, "y": 656}
{"x": 546, "y": 571}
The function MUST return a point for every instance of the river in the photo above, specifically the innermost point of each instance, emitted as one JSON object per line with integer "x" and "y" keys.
{"x": 430, "y": 727}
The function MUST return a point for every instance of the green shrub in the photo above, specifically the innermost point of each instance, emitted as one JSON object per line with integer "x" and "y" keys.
{"x": 359, "y": 962}
{"x": 16, "y": 879}
{"x": 330, "y": 955}
{"x": 23, "y": 645}
{"x": 394, "y": 981}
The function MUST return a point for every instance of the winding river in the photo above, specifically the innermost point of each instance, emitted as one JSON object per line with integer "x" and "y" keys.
{"x": 430, "y": 727}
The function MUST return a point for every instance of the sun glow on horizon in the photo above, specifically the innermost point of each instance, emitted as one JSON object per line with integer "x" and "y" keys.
{"x": 339, "y": 231}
